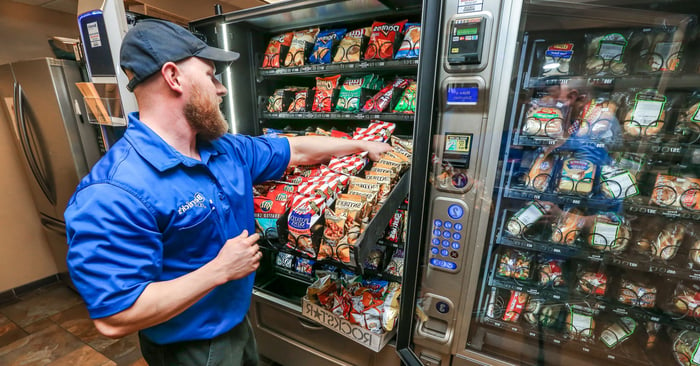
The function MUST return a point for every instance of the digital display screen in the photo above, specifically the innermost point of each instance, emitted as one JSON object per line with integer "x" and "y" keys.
{"x": 458, "y": 143}
{"x": 462, "y": 94}
{"x": 466, "y": 31}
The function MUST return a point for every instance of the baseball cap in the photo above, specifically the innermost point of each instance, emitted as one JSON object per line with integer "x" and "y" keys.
{"x": 152, "y": 42}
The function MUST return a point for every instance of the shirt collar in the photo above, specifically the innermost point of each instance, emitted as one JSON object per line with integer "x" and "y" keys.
{"x": 159, "y": 153}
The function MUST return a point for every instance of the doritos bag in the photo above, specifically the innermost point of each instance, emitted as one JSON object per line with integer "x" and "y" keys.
{"x": 325, "y": 42}
{"x": 382, "y": 40}
{"x": 276, "y": 49}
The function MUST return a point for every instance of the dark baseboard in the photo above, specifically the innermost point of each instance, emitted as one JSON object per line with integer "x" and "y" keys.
{"x": 12, "y": 295}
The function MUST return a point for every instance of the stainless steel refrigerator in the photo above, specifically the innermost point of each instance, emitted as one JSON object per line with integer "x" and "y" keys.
{"x": 56, "y": 143}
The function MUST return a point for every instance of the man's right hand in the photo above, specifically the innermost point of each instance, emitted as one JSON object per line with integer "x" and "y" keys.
{"x": 239, "y": 257}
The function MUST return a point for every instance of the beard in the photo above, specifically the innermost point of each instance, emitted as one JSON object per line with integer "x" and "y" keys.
{"x": 204, "y": 116}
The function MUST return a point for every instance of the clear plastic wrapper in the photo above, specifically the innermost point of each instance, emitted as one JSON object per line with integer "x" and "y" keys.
{"x": 597, "y": 119}
{"x": 686, "y": 300}
{"x": 673, "y": 191}
{"x": 395, "y": 265}
{"x": 539, "y": 312}
{"x": 544, "y": 119}
{"x": 637, "y": 293}
{"x": 525, "y": 218}
{"x": 660, "y": 49}
{"x": 577, "y": 176}
{"x": 592, "y": 280}
{"x": 515, "y": 263}
{"x": 687, "y": 128}
{"x": 541, "y": 171}
{"x": 550, "y": 271}
{"x": 580, "y": 322}
{"x": 607, "y": 53}
{"x": 558, "y": 58}
{"x": 609, "y": 233}
{"x": 618, "y": 332}
{"x": 685, "y": 348}
{"x": 645, "y": 113}
{"x": 617, "y": 182}
{"x": 568, "y": 227}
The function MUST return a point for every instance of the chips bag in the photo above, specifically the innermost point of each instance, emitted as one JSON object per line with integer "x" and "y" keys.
{"x": 410, "y": 47}
{"x": 350, "y": 95}
{"x": 380, "y": 101}
{"x": 382, "y": 40}
{"x": 325, "y": 42}
{"x": 350, "y": 47}
{"x": 323, "y": 100}
{"x": 301, "y": 44}
{"x": 407, "y": 103}
{"x": 276, "y": 49}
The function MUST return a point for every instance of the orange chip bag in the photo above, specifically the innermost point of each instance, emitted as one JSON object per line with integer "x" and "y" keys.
{"x": 278, "y": 46}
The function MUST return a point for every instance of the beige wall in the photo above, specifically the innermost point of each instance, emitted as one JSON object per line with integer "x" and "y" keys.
{"x": 24, "y": 252}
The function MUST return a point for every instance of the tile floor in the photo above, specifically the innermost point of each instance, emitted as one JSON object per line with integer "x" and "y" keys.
{"x": 50, "y": 326}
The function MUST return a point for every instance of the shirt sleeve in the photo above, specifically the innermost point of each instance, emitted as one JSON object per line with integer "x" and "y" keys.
{"x": 114, "y": 247}
{"x": 267, "y": 157}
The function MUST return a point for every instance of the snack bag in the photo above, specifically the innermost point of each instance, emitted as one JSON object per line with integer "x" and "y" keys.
{"x": 325, "y": 43}
{"x": 381, "y": 101}
{"x": 304, "y": 214}
{"x": 395, "y": 265}
{"x": 300, "y": 102}
{"x": 407, "y": 103}
{"x": 276, "y": 50}
{"x": 606, "y": 53}
{"x": 382, "y": 40}
{"x": 637, "y": 294}
{"x": 516, "y": 264}
{"x": 350, "y": 95}
{"x": 410, "y": 46}
{"x": 266, "y": 212}
{"x": 280, "y": 100}
{"x": 350, "y": 47}
{"x": 323, "y": 100}
{"x": 592, "y": 283}
{"x": 516, "y": 306}
{"x": 302, "y": 42}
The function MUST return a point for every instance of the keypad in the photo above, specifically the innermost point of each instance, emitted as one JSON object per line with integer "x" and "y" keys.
{"x": 446, "y": 239}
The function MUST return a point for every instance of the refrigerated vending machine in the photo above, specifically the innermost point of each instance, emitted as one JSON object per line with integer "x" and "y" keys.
{"x": 552, "y": 206}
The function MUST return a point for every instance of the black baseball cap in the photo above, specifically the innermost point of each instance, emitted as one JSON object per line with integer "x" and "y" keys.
{"x": 152, "y": 42}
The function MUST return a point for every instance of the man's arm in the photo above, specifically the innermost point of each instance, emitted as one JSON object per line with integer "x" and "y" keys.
{"x": 161, "y": 301}
{"x": 310, "y": 150}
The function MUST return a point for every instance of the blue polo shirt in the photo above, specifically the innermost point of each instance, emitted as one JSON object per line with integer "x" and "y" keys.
{"x": 147, "y": 213}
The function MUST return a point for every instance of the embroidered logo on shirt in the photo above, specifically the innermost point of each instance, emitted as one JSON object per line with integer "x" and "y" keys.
{"x": 196, "y": 201}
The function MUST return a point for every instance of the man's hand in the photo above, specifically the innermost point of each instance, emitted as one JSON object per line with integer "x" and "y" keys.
{"x": 239, "y": 257}
{"x": 376, "y": 149}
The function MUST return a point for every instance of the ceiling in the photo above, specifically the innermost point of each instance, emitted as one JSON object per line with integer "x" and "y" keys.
{"x": 187, "y": 9}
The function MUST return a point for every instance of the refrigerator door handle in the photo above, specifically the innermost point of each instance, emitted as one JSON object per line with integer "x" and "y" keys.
{"x": 53, "y": 224}
{"x": 25, "y": 143}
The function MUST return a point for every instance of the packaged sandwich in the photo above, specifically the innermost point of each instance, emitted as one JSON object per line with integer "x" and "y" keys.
{"x": 618, "y": 183}
{"x": 276, "y": 50}
{"x": 350, "y": 47}
{"x": 592, "y": 282}
{"x": 577, "y": 176}
{"x": 410, "y": 46}
{"x": 323, "y": 100}
{"x": 550, "y": 271}
{"x": 539, "y": 312}
{"x": 686, "y": 300}
{"x": 568, "y": 227}
{"x": 618, "y": 332}
{"x": 660, "y": 49}
{"x": 597, "y": 120}
{"x": 671, "y": 191}
{"x": 543, "y": 120}
{"x": 606, "y": 53}
{"x": 645, "y": 113}
{"x": 541, "y": 171}
{"x": 685, "y": 348}
{"x": 524, "y": 218}
{"x": 687, "y": 128}
{"x": 326, "y": 41}
{"x": 580, "y": 322}
{"x": 299, "y": 49}
{"x": 557, "y": 59}
{"x": 637, "y": 294}
{"x": 383, "y": 39}
{"x": 694, "y": 255}
{"x": 609, "y": 233}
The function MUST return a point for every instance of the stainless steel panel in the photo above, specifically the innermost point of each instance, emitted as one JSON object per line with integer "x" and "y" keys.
{"x": 54, "y": 121}
{"x": 274, "y": 321}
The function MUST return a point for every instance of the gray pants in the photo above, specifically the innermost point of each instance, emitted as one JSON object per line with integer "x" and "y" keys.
{"x": 234, "y": 348}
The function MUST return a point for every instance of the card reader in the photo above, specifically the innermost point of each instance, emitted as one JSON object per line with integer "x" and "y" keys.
{"x": 466, "y": 40}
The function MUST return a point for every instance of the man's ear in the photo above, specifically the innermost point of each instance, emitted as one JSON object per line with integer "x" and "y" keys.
{"x": 172, "y": 76}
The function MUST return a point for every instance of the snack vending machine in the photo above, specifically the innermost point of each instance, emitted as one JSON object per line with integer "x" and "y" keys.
{"x": 541, "y": 204}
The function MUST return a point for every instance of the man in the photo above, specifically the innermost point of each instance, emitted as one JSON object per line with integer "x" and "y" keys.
{"x": 159, "y": 231}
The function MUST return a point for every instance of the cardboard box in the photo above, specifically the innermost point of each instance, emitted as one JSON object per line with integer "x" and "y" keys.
{"x": 340, "y": 325}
